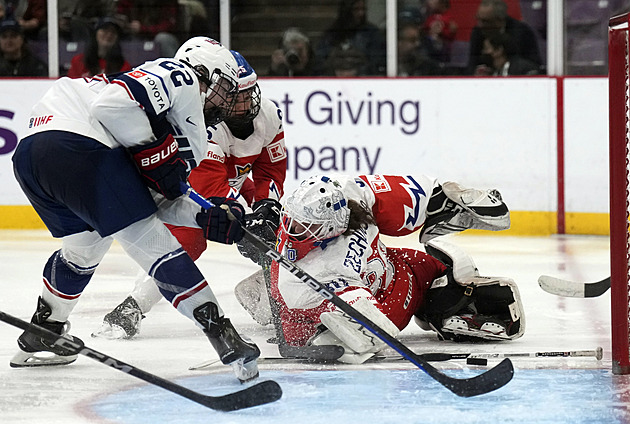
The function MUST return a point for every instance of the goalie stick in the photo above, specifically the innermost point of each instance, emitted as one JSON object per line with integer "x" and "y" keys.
{"x": 259, "y": 394}
{"x": 597, "y": 353}
{"x": 568, "y": 288}
{"x": 485, "y": 382}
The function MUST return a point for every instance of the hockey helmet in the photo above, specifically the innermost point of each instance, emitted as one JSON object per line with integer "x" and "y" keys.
{"x": 215, "y": 66}
{"x": 317, "y": 210}
{"x": 248, "y": 100}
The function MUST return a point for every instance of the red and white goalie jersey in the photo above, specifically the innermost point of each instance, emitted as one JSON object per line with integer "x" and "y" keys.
{"x": 397, "y": 278}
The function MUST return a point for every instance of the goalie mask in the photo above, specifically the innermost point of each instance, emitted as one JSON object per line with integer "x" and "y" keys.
{"x": 214, "y": 66}
{"x": 316, "y": 211}
{"x": 247, "y": 104}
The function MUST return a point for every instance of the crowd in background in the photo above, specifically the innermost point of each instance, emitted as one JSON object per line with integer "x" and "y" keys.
{"x": 105, "y": 36}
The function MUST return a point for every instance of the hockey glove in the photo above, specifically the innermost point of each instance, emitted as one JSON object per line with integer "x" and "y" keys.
{"x": 161, "y": 166}
{"x": 217, "y": 225}
{"x": 262, "y": 222}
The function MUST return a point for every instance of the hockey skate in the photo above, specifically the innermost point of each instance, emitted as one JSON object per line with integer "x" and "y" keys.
{"x": 233, "y": 350}
{"x": 36, "y": 351}
{"x": 121, "y": 323}
{"x": 471, "y": 328}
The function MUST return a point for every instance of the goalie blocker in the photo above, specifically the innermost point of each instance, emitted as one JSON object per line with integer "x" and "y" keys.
{"x": 465, "y": 307}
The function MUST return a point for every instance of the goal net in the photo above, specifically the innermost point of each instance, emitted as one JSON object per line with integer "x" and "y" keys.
{"x": 619, "y": 161}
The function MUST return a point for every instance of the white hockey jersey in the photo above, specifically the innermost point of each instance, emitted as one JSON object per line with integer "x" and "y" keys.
{"x": 129, "y": 109}
{"x": 398, "y": 204}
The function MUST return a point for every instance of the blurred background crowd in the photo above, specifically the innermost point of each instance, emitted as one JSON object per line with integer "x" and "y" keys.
{"x": 292, "y": 38}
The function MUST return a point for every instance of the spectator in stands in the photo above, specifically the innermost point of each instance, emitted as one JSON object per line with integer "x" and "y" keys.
{"x": 346, "y": 61}
{"x": 152, "y": 20}
{"x": 16, "y": 59}
{"x": 78, "y": 17}
{"x": 413, "y": 59}
{"x": 102, "y": 53}
{"x": 33, "y": 21}
{"x": 492, "y": 17}
{"x": 351, "y": 27}
{"x": 499, "y": 53}
{"x": 294, "y": 57}
{"x": 439, "y": 30}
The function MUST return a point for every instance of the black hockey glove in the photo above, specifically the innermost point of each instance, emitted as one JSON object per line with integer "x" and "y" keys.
{"x": 262, "y": 222}
{"x": 217, "y": 225}
{"x": 161, "y": 166}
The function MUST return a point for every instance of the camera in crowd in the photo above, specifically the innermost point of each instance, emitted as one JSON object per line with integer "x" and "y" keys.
{"x": 292, "y": 58}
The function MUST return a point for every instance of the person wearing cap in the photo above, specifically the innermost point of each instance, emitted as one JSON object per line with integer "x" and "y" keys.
{"x": 102, "y": 55}
{"x": 16, "y": 59}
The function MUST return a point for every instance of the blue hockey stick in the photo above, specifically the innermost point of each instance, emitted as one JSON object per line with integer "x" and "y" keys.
{"x": 488, "y": 381}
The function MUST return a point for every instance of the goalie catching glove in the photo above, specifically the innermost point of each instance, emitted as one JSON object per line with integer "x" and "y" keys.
{"x": 223, "y": 222}
{"x": 262, "y": 222}
{"x": 161, "y": 166}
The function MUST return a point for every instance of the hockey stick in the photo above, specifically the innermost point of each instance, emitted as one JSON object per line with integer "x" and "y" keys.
{"x": 486, "y": 382}
{"x": 568, "y": 288}
{"x": 312, "y": 353}
{"x": 598, "y": 354}
{"x": 259, "y": 394}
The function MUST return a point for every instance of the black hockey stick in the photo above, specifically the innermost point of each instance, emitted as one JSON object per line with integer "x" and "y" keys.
{"x": 486, "y": 382}
{"x": 259, "y": 394}
{"x": 568, "y": 288}
{"x": 310, "y": 353}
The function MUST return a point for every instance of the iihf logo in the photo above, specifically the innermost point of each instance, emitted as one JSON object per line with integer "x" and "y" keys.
{"x": 39, "y": 120}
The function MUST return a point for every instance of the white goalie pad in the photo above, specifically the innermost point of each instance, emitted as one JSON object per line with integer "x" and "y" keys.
{"x": 461, "y": 263}
{"x": 252, "y": 294}
{"x": 489, "y": 329}
{"x": 354, "y": 335}
{"x": 326, "y": 338}
{"x": 475, "y": 209}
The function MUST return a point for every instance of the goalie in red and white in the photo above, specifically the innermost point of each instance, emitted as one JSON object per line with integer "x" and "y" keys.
{"x": 331, "y": 228}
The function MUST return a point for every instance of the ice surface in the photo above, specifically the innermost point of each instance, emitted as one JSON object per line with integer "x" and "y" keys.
{"x": 550, "y": 390}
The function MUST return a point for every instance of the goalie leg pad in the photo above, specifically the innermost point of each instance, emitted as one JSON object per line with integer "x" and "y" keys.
{"x": 251, "y": 293}
{"x": 453, "y": 208}
{"x": 354, "y": 335}
{"x": 485, "y": 308}
{"x": 327, "y": 338}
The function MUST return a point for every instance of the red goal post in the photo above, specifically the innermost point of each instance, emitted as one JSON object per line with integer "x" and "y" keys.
{"x": 619, "y": 162}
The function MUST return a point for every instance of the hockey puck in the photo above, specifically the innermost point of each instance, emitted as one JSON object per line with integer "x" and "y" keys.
{"x": 477, "y": 361}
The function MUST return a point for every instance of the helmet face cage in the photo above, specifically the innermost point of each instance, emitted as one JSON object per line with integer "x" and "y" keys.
{"x": 220, "y": 98}
{"x": 248, "y": 101}
{"x": 246, "y": 106}
{"x": 214, "y": 66}
{"x": 316, "y": 211}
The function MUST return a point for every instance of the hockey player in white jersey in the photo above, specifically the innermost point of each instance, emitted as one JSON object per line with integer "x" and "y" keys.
{"x": 250, "y": 142}
{"x": 103, "y": 160}
{"x": 331, "y": 228}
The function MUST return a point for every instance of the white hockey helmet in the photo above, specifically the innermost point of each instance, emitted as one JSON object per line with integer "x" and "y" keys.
{"x": 215, "y": 66}
{"x": 316, "y": 210}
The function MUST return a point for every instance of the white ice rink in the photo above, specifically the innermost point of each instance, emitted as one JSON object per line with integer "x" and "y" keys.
{"x": 543, "y": 390}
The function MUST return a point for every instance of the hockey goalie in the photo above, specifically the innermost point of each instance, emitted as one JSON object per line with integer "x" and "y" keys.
{"x": 331, "y": 228}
